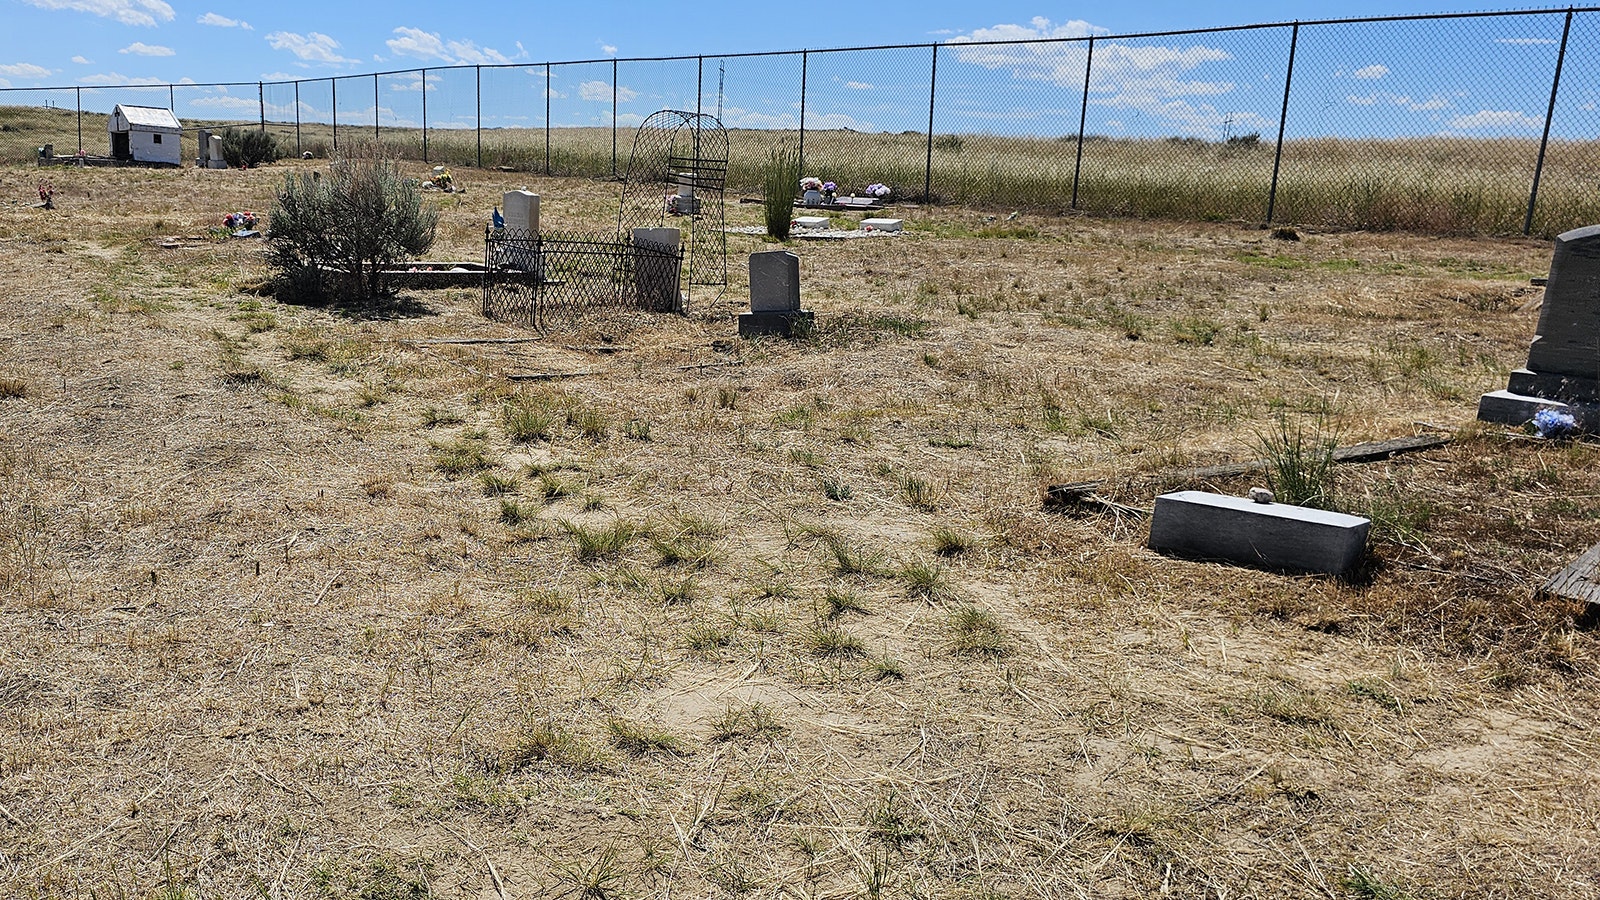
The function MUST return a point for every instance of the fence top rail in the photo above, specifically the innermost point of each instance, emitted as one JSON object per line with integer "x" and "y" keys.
{"x": 1364, "y": 20}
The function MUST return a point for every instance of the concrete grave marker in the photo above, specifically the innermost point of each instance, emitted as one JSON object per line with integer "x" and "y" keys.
{"x": 521, "y": 210}
{"x": 658, "y": 261}
{"x": 882, "y": 224}
{"x": 1563, "y": 370}
{"x": 774, "y": 296}
{"x": 1279, "y": 536}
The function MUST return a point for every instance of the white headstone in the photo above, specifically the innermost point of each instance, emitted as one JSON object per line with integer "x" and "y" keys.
{"x": 882, "y": 224}
{"x": 521, "y": 210}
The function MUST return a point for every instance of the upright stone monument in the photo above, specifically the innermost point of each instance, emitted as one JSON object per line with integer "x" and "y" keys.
{"x": 522, "y": 210}
{"x": 774, "y": 296}
{"x": 657, "y": 268}
{"x": 1563, "y": 370}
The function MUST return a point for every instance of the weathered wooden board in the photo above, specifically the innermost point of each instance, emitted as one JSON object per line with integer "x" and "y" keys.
{"x": 1070, "y": 494}
{"x": 1579, "y": 581}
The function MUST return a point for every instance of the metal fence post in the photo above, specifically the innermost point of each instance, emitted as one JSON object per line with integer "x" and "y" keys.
{"x": 425, "y": 116}
{"x": 376, "y": 137}
{"x": 479, "y": 73}
{"x": 79, "y": 93}
{"x": 172, "y": 102}
{"x": 699, "y": 83}
{"x": 1083, "y": 119}
{"x": 1549, "y": 113}
{"x": 333, "y": 86}
{"x": 547, "y": 90}
{"x": 927, "y": 173}
{"x": 1283, "y": 117}
{"x": 804, "y": 58}
{"x": 613, "y": 118}
{"x": 261, "y": 101}
{"x": 298, "y": 149}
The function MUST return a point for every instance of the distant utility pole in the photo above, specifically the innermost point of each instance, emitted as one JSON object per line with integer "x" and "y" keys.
{"x": 722, "y": 71}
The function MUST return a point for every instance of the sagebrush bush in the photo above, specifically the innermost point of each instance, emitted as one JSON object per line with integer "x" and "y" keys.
{"x": 332, "y": 237}
{"x": 248, "y": 147}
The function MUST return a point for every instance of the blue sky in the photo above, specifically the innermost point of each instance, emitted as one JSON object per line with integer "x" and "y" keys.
{"x": 1395, "y": 79}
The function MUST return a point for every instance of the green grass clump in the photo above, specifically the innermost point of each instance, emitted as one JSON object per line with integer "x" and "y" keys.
{"x": 948, "y": 541}
{"x": 926, "y": 580}
{"x": 462, "y": 456}
{"x": 1299, "y": 461}
{"x": 829, "y": 641}
{"x": 527, "y": 421}
{"x": 975, "y": 631}
{"x": 600, "y": 542}
{"x": 638, "y": 738}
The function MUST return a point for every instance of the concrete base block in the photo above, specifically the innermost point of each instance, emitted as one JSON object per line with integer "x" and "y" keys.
{"x": 780, "y": 324}
{"x": 1516, "y": 410}
{"x": 1567, "y": 388}
{"x": 882, "y": 224}
{"x": 1276, "y": 536}
{"x": 812, "y": 222}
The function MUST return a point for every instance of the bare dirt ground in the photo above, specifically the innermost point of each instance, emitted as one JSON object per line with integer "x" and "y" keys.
{"x": 295, "y": 603}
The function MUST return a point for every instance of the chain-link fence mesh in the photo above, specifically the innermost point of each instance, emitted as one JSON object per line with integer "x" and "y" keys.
{"x": 1444, "y": 123}
{"x": 1182, "y": 126}
{"x": 1380, "y": 135}
{"x": 1569, "y": 180}
{"x": 866, "y": 118}
{"x": 758, "y": 100}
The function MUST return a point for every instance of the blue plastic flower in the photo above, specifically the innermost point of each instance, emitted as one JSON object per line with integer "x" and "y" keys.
{"x": 1553, "y": 423}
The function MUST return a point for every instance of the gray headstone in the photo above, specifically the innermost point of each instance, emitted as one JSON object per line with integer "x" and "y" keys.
{"x": 1564, "y": 359}
{"x": 1278, "y": 536}
{"x": 774, "y": 281}
{"x": 1568, "y": 342}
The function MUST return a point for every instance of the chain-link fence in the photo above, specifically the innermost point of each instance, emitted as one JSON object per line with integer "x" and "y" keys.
{"x": 1473, "y": 123}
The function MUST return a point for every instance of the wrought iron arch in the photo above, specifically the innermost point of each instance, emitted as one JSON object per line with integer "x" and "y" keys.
{"x": 676, "y": 177}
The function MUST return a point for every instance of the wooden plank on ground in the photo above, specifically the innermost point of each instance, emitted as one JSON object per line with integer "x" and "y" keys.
{"x": 1579, "y": 581}
{"x": 1369, "y": 452}
{"x": 1075, "y": 493}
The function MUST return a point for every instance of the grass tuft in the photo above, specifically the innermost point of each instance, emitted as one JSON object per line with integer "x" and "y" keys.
{"x": 975, "y": 631}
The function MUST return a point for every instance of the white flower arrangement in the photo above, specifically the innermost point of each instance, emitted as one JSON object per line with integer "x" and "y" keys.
{"x": 880, "y": 191}
{"x": 810, "y": 184}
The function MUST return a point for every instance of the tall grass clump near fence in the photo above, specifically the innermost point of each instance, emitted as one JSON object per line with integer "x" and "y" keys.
{"x": 331, "y": 238}
{"x": 1300, "y": 461}
{"x": 778, "y": 183}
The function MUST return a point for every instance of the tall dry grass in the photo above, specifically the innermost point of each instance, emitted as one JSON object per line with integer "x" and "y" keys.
{"x": 1438, "y": 185}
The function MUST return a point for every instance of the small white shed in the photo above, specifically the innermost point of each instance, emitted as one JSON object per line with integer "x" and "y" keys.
{"x": 147, "y": 134}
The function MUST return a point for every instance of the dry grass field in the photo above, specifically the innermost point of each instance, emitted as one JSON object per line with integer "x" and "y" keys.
{"x": 306, "y": 602}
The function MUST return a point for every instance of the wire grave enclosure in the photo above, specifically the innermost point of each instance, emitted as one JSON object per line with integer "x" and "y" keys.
{"x": 560, "y": 281}
{"x": 677, "y": 175}
{"x": 1485, "y": 123}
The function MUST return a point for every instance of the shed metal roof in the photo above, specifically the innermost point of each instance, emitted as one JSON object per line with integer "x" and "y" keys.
{"x": 149, "y": 116}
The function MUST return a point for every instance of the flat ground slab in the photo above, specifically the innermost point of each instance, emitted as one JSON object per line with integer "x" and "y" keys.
{"x": 293, "y": 600}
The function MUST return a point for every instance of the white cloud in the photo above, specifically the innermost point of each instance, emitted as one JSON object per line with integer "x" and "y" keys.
{"x": 1524, "y": 42}
{"x": 1148, "y": 78}
{"x": 608, "y": 49}
{"x": 128, "y": 12}
{"x": 428, "y": 45}
{"x": 597, "y": 91}
{"x": 1370, "y": 73}
{"x": 1404, "y": 101}
{"x": 310, "y": 47}
{"x": 226, "y": 102}
{"x": 140, "y": 48}
{"x": 119, "y": 78}
{"x": 858, "y": 85}
{"x": 1501, "y": 119}
{"x": 217, "y": 21}
{"x": 24, "y": 70}
{"x": 82, "y": 61}
{"x": 1039, "y": 28}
